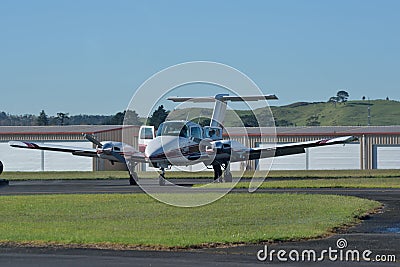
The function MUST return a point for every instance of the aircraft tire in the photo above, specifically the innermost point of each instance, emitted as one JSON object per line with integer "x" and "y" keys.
{"x": 132, "y": 179}
{"x": 2, "y": 181}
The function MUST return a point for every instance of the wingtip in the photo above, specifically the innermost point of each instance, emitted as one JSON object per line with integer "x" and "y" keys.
{"x": 346, "y": 139}
{"x": 21, "y": 144}
{"x": 14, "y": 143}
{"x": 354, "y": 139}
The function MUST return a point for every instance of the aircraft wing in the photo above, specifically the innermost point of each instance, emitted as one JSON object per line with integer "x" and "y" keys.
{"x": 296, "y": 148}
{"x": 139, "y": 157}
{"x": 78, "y": 151}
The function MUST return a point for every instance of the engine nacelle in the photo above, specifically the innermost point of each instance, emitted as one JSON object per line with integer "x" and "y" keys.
{"x": 223, "y": 147}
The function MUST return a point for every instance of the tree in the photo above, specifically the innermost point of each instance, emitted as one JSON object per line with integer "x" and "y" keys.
{"x": 62, "y": 117}
{"x": 158, "y": 116}
{"x": 342, "y": 96}
{"x": 334, "y": 100}
{"x": 202, "y": 121}
{"x": 117, "y": 119}
{"x": 313, "y": 121}
{"x": 249, "y": 120}
{"x": 283, "y": 123}
{"x": 42, "y": 120}
{"x": 131, "y": 118}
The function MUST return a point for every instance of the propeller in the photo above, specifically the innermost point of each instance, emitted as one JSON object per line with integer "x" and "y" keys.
{"x": 109, "y": 150}
{"x": 118, "y": 156}
{"x": 1, "y": 167}
{"x": 93, "y": 140}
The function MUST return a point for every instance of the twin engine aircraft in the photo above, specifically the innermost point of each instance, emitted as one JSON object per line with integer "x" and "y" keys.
{"x": 184, "y": 143}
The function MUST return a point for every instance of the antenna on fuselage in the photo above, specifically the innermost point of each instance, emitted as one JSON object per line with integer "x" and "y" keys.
{"x": 220, "y": 104}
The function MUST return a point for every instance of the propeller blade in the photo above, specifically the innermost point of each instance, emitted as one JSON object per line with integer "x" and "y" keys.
{"x": 1, "y": 167}
{"x": 92, "y": 139}
{"x": 118, "y": 156}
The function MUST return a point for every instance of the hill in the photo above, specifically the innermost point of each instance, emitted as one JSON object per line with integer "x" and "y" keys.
{"x": 350, "y": 113}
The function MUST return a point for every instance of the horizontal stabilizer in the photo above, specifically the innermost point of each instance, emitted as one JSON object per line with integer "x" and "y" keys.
{"x": 223, "y": 98}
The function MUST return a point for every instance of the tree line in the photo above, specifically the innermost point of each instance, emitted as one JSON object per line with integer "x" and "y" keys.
{"x": 129, "y": 117}
{"x": 62, "y": 118}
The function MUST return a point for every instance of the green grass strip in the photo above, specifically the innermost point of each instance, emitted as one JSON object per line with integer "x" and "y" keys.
{"x": 318, "y": 183}
{"x": 138, "y": 220}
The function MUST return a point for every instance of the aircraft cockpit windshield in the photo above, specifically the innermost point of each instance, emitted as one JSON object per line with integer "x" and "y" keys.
{"x": 173, "y": 128}
{"x": 215, "y": 133}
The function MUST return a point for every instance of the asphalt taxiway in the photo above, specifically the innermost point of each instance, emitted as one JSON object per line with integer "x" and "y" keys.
{"x": 379, "y": 233}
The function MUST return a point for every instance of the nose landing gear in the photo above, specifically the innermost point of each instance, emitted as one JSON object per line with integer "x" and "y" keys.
{"x": 218, "y": 172}
{"x": 161, "y": 178}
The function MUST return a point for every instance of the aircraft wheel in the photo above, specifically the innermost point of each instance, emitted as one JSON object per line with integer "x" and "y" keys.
{"x": 161, "y": 180}
{"x": 2, "y": 181}
{"x": 217, "y": 173}
{"x": 228, "y": 177}
{"x": 132, "y": 179}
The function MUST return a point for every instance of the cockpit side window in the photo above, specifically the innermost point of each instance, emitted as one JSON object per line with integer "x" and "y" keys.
{"x": 160, "y": 129}
{"x": 195, "y": 132}
{"x": 173, "y": 129}
{"x": 215, "y": 133}
{"x": 184, "y": 131}
{"x": 146, "y": 133}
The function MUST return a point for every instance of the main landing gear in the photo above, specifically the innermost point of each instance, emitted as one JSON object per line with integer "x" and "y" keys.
{"x": 133, "y": 177}
{"x": 218, "y": 172}
{"x": 161, "y": 178}
{"x": 2, "y": 181}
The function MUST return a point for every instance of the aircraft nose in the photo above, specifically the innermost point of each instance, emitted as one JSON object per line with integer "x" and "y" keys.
{"x": 154, "y": 150}
{"x": 155, "y": 154}
{"x": 161, "y": 146}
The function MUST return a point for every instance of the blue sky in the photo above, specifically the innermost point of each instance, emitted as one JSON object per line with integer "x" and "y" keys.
{"x": 88, "y": 57}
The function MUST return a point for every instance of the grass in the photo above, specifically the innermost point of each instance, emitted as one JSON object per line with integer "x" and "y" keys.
{"x": 319, "y": 183}
{"x": 275, "y": 179}
{"x": 330, "y": 174}
{"x": 272, "y": 174}
{"x": 133, "y": 220}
